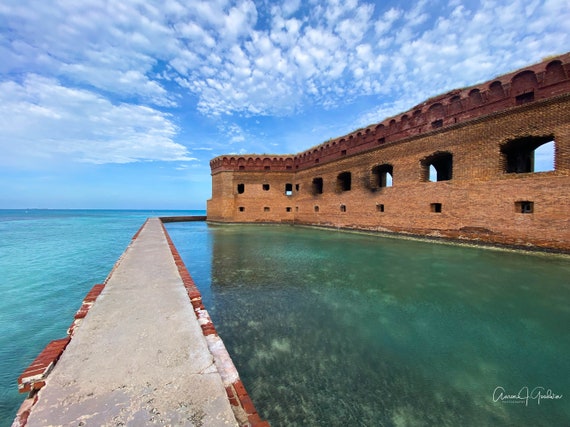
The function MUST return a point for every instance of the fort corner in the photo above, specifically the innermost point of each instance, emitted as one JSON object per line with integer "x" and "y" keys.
{"x": 479, "y": 142}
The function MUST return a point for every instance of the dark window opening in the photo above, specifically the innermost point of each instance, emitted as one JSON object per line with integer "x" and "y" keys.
{"x": 240, "y": 188}
{"x": 241, "y": 209}
{"x": 524, "y": 98}
{"x": 438, "y": 167}
{"x": 288, "y": 209}
{"x": 382, "y": 176}
{"x": 296, "y": 187}
{"x": 265, "y": 187}
{"x": 437, "y": 123}
{"x": 317, "y": 186}
{"x": 381, "y": 140}
{"x": 344, "y": 181}
{"x": 316, "y": 160}
{"x": 380, "y": 207}
{"x": 288, "y": 167}
{"x": 524, "y": 207}
{"x": 529, "y": 154}
{"x": 343, "y": 208}
{"x": 266, "y": 209}
{"x": 316, "y": 208}
{"x": 288, "y": 189}
{"x": 241, "y": 168}
{"x": 343, "y": 153}
{"x": 267, "y": 168}
{"x": 436, "y": 207}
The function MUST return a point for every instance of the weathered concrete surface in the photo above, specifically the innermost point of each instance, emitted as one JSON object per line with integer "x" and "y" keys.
{"x": 139, "y": 357}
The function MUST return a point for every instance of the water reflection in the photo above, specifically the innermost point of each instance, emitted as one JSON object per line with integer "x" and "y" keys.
{"x": 332, "y": 329}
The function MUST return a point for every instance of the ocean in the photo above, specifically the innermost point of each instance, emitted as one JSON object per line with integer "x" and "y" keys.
{"x": 49, "y": 260}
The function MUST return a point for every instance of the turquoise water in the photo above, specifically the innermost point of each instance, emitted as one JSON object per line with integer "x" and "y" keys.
{"x": 336, "y": 329}
{"x": 49, "y": 260}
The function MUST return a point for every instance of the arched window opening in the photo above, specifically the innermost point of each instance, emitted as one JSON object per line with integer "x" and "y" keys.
{"x": 554, "y": 72}
{"x": 523, "y": 82}
{"x": 529, "y": 154}
{"x": 382, "y": 176}
{"x": 475, "y": 97}
{"x": 496, "y": 90}
{"x": 240, "y": 188}
{"x": 435, "y": 111}
{"x": 344, "y": 181}
{"x": 523, "y": 85}
{"x": 438, "y": 167}
{"x": 405, "y": 120}
{"x": 317, "y": 187}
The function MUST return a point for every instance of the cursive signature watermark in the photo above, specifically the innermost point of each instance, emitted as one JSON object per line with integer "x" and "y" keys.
{"x": 524, "y": 395}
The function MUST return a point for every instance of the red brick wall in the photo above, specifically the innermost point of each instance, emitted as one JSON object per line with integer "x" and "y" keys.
{"x": 477, "y": 203}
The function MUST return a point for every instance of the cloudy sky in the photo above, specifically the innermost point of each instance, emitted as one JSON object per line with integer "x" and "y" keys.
{"x": 123, "y": 103}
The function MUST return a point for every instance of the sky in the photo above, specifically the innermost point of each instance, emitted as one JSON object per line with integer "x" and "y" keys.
{"x": 122, "y": 104}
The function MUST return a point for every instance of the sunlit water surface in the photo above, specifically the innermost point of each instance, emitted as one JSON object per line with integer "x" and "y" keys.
{"x": 337, "y": 329}
{"x": 49, "y": 260}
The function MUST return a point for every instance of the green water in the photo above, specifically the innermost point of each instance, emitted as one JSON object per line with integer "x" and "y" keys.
{"x": 336, "y": 329}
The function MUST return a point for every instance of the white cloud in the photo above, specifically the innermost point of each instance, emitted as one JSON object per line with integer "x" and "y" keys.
{"x": 256, "y": 58}
{"x": 42, "y": 120}
{"x": 239, "y": 21}
{"x": 110, "y": 46}
{"x": 417, "y": 15}
{"x": 233, "y": 132}
{"x": 289, "y": 7}
{"x": 384, "y": 24}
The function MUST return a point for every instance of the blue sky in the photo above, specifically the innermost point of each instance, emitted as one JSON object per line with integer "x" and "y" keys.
{"x": 122, "y": 104}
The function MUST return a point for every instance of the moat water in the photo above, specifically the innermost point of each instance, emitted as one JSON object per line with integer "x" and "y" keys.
{"x": 338, "y": 329}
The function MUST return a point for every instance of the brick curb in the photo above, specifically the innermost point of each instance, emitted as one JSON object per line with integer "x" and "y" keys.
{"x": 34, "y": 376}
{"x": 240, "y": 401}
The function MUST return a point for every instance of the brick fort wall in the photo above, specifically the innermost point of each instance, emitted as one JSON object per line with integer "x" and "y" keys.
{"x": 480, "y": 142}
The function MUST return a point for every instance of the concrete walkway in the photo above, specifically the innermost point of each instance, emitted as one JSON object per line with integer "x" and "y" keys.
{"x": 139, "y": 357}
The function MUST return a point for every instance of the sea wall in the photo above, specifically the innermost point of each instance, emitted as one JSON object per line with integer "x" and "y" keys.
{"x": 141, "y": 349}
{"x": 480, "y": 141}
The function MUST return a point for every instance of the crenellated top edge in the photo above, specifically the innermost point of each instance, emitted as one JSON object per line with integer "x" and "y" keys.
{"x": 252, "y": 162}
{"x": 543, "y": 80}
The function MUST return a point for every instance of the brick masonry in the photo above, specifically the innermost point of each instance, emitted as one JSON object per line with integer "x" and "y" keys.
{"x": 33, "y": 379}
{"x": 34, "y": 376}
{"x": 241, "y": 403}
{"x": 475, "y": 127}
